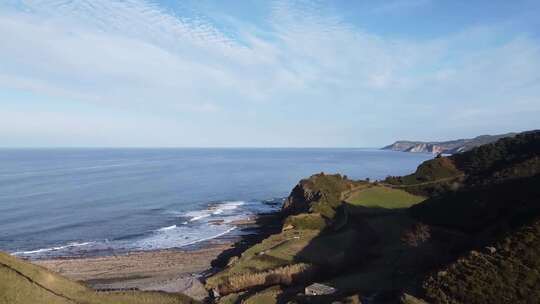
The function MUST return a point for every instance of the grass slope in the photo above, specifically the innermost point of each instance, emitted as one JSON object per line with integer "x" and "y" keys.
{"x": 383, "y": 197}
{"x": 22, "y": 282}
{"x": 384, "y": 239}
{"x": 317, "y": 240}
{"x": 508, "y": 273}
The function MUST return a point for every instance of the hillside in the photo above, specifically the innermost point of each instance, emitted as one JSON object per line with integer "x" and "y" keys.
{"x": 445, "y": 147}
{"x": 332, "y": 227}
{"x": 460, "y": 229}
{"x": 22, "y": 283}
{"x": 408, "y": 238}
{"x": 506, "y": 272}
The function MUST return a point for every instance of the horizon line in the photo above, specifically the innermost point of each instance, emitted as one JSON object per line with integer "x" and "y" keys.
{"x": 179, "y": 147}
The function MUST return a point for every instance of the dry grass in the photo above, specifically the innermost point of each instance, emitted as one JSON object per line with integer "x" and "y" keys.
{"x": 22, "y": 282}
{"x": 285, "y": 275}
{"x": 270, "y": 295}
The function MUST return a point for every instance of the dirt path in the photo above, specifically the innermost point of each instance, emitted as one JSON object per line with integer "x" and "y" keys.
{"x": 424, "y": 183}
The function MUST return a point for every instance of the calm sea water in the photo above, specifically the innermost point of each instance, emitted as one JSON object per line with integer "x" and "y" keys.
{"x": 64, "y": 202}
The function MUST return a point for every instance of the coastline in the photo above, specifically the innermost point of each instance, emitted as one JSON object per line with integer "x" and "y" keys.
{"x": 170, "y": 270}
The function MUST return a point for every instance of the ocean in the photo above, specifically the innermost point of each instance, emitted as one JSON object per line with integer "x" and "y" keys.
{"x": 79, "y": 202}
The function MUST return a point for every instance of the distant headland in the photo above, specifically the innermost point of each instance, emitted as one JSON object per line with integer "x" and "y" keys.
{"x": 445, "y": 147}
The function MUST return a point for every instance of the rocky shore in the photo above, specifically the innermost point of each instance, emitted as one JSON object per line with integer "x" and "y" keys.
{"x": 164, "y": 270}
{"x": 173, "y": 270}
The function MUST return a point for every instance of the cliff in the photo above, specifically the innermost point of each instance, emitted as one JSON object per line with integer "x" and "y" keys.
{"x": 445, "y": 147}
{"x": 317, "y": 191}
{"x": 460, "y": 229}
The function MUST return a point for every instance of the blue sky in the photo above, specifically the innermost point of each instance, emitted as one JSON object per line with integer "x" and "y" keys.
{"x": 200, "y": 73}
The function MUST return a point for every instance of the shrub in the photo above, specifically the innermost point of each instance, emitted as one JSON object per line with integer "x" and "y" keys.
{"x": 416, "y": 235}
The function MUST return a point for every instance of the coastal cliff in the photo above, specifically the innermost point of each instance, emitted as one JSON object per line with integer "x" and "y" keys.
{"x": 460, "y": 229}
{"x": 445, "y": 147}
{"x": 318, "y": 190}
{"x": 431, "y": 236}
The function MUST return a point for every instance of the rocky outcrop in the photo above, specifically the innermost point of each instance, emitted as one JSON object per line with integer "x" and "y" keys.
{"x": 300, "y": 198}
{"x": 445, "y": 147}
{"x": 321, "y": 193}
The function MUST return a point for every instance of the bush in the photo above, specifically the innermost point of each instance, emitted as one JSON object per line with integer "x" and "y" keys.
{"x": 416, "y": 235}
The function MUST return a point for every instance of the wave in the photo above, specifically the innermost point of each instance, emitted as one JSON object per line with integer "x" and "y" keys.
{"x": 227, "y": 206}
{"x": 177, "y": 237}
{"x": 167, "y": 228}
{"x": 215, "y": 209}
{"x": 197, "y": 215}
{"x": 211, "y": 237}
{"x": 196, "y": 226}
{"x": 42, "y": 250}
{"x": 191, "y": 227}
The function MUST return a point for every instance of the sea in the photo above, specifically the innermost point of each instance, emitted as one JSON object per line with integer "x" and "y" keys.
{"x": 80, "y": 202}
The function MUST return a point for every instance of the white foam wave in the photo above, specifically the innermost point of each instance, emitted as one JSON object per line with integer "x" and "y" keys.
{"x": 167, "y": 228}
{"x": 198, "y": 226}
{"x": 219, "y": 209}
{"x": 42, "y": 250}
{"x": 211, "y": 237}
{"x": 179, "y": 237}
{"x": 213, "y": 210}
{"x": 197, "y": 215}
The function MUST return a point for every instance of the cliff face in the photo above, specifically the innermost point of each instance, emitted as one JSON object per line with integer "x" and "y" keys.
{"x": 320, "y": 193}
{"x": 446, "y": 147}
{"x": 461, "y": 229}
{"x": 429, "y": 148}
{"x": 300, "y": 199}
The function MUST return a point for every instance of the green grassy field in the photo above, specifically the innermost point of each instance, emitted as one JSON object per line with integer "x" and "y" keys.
{"x": 378, "y": 275}
{"x": 276, "y": 251}
{"x": 383, "y": 197}
{"x": 290, "y": 248}
{"x": 22, "y": 282}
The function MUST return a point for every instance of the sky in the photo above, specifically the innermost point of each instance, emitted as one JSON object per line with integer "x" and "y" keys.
{"x": 199, "y": 73}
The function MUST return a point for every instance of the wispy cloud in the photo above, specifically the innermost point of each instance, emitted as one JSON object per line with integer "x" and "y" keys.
{"x": 135, "y": 55}
{"x": 398, "y": 6}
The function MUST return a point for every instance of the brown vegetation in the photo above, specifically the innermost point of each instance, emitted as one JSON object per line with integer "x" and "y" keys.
{"x": 286, "y": 275}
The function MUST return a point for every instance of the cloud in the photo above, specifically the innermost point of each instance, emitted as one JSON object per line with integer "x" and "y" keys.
{"x": 304, "y": 64}
{"x": 398, "y": 6}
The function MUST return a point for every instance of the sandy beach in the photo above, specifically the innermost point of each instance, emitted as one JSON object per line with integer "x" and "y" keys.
{"x": 171, "y": 270}
{"x": 166, "y": 270}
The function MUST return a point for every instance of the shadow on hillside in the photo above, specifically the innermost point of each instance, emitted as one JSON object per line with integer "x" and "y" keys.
{"x": 364, "y": 252}
{"x": 265, "y": 225}
{"x": 367, "y": 251}
{"x": 501, "y": 206}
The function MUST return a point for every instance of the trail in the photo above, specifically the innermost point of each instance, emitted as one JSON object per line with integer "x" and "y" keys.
{"x": 424, "y": 183}
{"x": 346, "y": 194}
